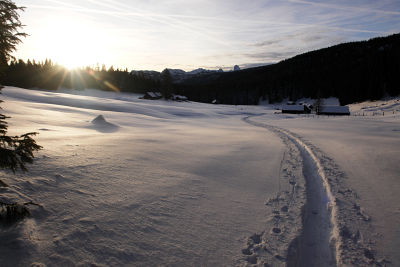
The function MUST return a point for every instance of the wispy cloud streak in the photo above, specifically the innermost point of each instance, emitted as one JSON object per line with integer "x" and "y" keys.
{"x": 347, "y": 7}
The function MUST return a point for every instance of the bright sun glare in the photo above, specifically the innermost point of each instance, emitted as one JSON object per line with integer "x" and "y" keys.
{"x": 72, "y": 43}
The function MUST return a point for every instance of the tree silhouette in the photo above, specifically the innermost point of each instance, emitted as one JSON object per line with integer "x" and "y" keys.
{"x": 166, "y": 83}
{"x": 15, "y": 151}
{"x": 10, "y": 36}
{"x": 318, "y": 103}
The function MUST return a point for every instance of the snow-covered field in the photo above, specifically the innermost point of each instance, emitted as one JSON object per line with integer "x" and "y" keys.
{"x": 189, "y": 184}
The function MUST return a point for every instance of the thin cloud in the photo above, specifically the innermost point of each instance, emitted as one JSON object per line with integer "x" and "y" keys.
{"x": 175, "y": 20}
{"x": 266, "y": 43}
{"x": 128, "y": 14}
{"x": 161, "y": 18}
{"x": 345, "y": 7}
{"x": 271, "y": 56}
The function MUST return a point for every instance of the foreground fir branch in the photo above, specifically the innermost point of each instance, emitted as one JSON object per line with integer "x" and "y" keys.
{"x": 10, "y": 24}
{"x": 12, "y": 212}
{"x": 15, "y": 151}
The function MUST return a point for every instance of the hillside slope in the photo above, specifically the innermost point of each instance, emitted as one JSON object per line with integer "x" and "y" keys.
{"x": 352, "y": 72}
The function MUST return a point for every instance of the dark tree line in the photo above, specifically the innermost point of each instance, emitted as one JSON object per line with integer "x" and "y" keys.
{"x": 352, "y": 72}
{"x": 47, "y": 75}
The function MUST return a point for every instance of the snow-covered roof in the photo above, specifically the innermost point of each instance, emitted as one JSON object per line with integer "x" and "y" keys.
{"x": 154, "y": 94}
{"x": 151, "y": 94}
{"x": 335, "y": 109}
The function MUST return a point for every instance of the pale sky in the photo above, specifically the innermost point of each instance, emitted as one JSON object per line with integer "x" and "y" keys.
{"x": 189, "y": 34}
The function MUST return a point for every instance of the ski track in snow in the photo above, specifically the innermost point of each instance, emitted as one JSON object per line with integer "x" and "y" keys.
{"x": 271, "y": 246}
{"x": 335, "y": 230}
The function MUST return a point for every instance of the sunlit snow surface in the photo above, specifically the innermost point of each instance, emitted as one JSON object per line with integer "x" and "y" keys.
{"x": 176, "y": 183}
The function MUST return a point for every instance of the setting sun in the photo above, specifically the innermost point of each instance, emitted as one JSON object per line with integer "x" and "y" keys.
{"x": 72, "y": 43}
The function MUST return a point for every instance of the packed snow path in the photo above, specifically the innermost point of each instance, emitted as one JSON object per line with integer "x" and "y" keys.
{"x": 316, "y": 244}
{"x": 355, "y": 234}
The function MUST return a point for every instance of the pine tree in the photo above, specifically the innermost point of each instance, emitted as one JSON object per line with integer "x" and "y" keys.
{"x": 10, "y": 36}
{"x": 318, "y": 103}
{"x": 15, "y": 151}
{"x": 166, "y": 83}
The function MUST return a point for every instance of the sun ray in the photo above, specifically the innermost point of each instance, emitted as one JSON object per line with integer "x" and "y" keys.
{"x": 111, "y": 86}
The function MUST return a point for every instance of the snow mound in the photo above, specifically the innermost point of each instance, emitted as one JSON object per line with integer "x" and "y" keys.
{"x": 102, "y": 125}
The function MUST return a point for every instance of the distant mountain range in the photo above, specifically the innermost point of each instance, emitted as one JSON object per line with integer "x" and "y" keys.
{"x": 179, "y": 75}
